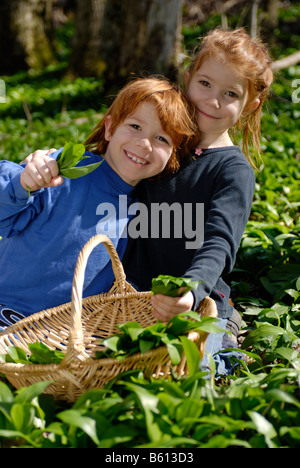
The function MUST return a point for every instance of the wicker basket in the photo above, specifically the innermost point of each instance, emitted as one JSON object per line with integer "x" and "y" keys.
{"x": 77, "y": 328}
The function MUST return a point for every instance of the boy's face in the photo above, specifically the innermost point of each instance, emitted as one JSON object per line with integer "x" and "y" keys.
{"x": 219, "y": 93}
{"x": 139, "y": 148}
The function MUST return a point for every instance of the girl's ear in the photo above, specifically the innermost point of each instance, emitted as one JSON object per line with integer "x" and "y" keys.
{"x": 252, "y": 106}
{"x": 107, "y": 133}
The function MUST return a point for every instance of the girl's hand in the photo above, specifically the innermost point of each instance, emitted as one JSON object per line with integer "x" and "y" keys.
{"x": 40, "y": 171}
{"x": 165, "y": 307}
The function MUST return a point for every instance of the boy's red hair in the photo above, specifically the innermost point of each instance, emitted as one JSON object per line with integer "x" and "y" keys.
{"x": 175, "y": 112}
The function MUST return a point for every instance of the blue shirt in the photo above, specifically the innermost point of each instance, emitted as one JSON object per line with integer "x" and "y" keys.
{"x": 43, "y": 234}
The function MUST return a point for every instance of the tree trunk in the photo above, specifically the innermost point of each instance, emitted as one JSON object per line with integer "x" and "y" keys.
{"x": 23, "y": 35}
{"x": 116, "y": 39}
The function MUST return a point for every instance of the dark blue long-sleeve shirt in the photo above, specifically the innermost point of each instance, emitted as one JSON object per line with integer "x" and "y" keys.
{"x": 213, "y": 195}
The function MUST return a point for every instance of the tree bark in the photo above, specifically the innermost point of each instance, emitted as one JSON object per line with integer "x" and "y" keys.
{"x": 23, "y": 35}
{"x": 116, "y": 39}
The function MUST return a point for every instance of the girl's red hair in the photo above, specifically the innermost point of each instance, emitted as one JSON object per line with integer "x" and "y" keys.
{"x": 251, "y": 59}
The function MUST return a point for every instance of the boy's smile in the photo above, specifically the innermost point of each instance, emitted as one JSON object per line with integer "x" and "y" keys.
{"x": 139, "y": 148}
{"x": 135, "y": 158}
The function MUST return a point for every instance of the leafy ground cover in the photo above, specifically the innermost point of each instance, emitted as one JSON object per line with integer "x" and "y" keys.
{"x": 258, "y": 406}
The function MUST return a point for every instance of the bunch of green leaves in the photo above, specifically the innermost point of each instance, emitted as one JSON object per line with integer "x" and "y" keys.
{"x": 134, "y": 338}
{"x": 22, "y": 418}
{"x": 39, "y": 354}
{"x": 257, "y": 410}
{"x": 173, "y": 286}
{"x": 71, "y": 155}
{"x": 267, "y": 265}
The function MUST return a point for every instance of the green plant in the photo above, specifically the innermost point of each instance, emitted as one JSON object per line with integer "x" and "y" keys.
{"x": 257, "y": 406}
{"x": 172, "y": 286}
{"x": 71, "y": 155}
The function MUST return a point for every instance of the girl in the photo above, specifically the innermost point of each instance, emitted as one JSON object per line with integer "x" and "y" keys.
{"x": 146, "y": 131}
{"x": 228, "y": 82}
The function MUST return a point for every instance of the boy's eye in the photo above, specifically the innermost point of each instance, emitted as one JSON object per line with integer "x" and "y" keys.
{"x": 135, "y": 126}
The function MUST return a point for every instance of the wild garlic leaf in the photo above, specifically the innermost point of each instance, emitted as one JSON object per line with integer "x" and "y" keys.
{"x": 71, "y": 154}
{"x": 68, "y": 159}
{"x": 39, "y": 354}
{"x": 14, "y": 354}
{"x": 76, "y": 172}
{"x": 172, "y": 286}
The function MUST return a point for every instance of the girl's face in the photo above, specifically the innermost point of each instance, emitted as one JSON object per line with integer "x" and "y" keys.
{"x": 219, "y": 94}
{"x": 139, "y": 148}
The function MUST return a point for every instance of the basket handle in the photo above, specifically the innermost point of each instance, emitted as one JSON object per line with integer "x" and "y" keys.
{"x": 75, "y": 345}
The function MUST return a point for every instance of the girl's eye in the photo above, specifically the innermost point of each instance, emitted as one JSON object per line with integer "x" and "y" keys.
{"x": 232, "y": 94}
{"x": 163, "y": 140}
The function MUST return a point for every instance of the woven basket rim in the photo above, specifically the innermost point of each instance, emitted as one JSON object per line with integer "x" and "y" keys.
{"x": 46, "y": 313}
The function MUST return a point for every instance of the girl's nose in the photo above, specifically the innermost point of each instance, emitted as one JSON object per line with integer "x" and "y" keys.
{"x": 214, "y": 100}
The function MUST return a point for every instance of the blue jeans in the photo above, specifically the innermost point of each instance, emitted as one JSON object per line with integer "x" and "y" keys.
{"x": 215, "y": 344}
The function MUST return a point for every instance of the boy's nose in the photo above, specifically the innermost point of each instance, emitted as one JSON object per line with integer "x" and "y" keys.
{"x": 144, "y": 143}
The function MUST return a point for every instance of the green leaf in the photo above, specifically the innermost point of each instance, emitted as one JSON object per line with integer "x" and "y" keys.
{"x": 132, "y": 329}
{"x": 149, "y": 405}
{"x": 263, "y": 332}
{"x": 41, "y": 354}
{"x": 174, "y": 349}
{"x": 6, "y": 395}
{"x": 70, "y": 156}
{"x": 179, "y": 325}
{"x": 15, "y": 354}
{"x": 22, "y": 417}
{"x": 27, "y": 394}
{"x": 145, "y": 345}
{"x": 112, "y": 342}
{"x": 81, "y": 171}
{"x": 173, "y": 286}
{"x": 277, "y": 394}
{"x": 86, "y": 424}
{"x": 192, "y": 355}
{"x": 264, "y": 427}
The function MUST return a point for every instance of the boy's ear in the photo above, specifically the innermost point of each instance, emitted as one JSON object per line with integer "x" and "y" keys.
{"x": 252, "y": 106}
{"x": 107, "y": 133}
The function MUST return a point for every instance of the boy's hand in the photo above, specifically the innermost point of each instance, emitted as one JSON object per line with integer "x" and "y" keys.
{"x": 40, "y": 171}
{"x": 165, "y": 307}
